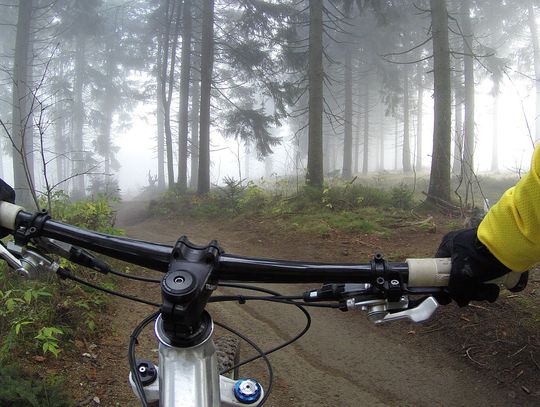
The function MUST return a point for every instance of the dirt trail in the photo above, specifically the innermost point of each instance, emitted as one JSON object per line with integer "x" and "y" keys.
{"x": 343, "y": 361}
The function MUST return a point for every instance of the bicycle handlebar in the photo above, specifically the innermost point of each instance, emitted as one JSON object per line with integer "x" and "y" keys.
{"x": 429, "y": 272}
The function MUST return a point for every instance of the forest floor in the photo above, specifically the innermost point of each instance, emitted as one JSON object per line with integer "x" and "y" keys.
{"x": 482, "y": 355}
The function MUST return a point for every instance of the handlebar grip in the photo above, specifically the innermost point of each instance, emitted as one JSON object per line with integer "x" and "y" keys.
{"x": 8, "y": 214}
{"x": 435, "y": 272}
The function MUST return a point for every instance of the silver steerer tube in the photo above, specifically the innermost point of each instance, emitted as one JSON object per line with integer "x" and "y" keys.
{"x": 188, "y": 377}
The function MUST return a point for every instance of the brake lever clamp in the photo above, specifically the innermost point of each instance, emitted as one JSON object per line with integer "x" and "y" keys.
{"x": 32, "y": 228}
{"x": 388, "y": 281}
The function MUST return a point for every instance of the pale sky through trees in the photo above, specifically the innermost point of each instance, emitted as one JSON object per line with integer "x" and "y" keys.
{"x": 107, "y": 71}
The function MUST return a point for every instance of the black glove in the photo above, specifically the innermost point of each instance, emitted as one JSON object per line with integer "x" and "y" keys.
{"x": 472, "y": 265}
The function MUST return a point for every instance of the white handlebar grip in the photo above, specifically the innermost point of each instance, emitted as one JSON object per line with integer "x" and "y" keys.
{"x": 429, "y": 272}
{"x": 8, "y": 214}
{"x": 436, "y": 273}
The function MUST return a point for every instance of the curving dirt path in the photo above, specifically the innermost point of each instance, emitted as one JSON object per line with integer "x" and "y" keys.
{"x": 344, "y": 360}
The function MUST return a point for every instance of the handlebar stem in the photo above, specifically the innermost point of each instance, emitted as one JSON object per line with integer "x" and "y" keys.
{"x": 185, "y": 290}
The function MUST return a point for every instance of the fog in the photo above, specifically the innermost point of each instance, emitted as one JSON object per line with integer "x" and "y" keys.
{"x": 102, "y": 96}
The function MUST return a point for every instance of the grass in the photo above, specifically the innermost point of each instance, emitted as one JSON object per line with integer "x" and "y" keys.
{"x": 322, "y": 223}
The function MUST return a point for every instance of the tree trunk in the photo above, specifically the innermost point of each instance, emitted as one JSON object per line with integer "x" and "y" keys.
{"x": 194, "y": 142}
{"x": 268, "y": 167}
{"x": 315, "y": 171}
{"x": 467, "y": 169}
{"x": 495, "y": 142}
{"x": 536, "y": 55}
{"x": 79, "y": 189}
{"x": 419, "y": 121}
{"x": 60, "y": 141}
{"x": 160, "y": 116}
{"x": 247, "y": 154}
{"x": 347, "y": 142}
{"x": 108, "y": 106}
{"x": 357, "y": 139}
{"x": 184, "y": 96}
{"x": 207, "y": 64}
{"x": 439, "y": 182}
{"x": 365, "y": 157}
{"x": 168, "y": 79}
{"x": 406, "y": 152}
{"x": 458, "y": 120}
{"x": 21, "y": 131}
{"x": 381, "y": 138}
{"x": 396, "y": 142}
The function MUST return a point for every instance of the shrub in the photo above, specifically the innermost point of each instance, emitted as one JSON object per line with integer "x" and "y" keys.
{"x": 402, "y": 197}
{"x": 96, "y": 214}
{"x": 20, "y": 390}
{"x": 254, "y": 199}
{"x": 23, "y": 307}
{"x": 35, "y": 313}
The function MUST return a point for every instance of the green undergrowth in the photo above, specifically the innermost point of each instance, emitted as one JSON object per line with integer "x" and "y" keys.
{"x": 40, "y": 318}
{"x": 19, "y": 389}
{"x": 354, "y": 206}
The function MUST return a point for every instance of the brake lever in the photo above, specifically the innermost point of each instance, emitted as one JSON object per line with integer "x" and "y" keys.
{"x": 12, "y": 261}
{"x": 32, "y": 263}
{"x": 380, "y": 310}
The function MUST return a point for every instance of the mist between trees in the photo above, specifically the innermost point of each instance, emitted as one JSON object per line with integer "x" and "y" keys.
{"x": 346, "y": 88}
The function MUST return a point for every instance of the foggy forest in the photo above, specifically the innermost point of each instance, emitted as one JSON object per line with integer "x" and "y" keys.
{"x": 249, "y": 89}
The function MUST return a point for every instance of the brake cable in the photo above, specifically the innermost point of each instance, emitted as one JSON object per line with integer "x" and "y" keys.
{"x": 63, "y": 273}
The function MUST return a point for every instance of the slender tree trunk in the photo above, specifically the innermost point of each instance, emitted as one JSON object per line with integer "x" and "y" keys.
{"x": 396, "y": 143}
{"x": 160, "y": 116}
{"x": 495, "y": 142}
{"x": 268, "y": 167}
{"x": 108, "y": 106}
{"x": 330, "y": 156}
{"x": 194, "y": 142}
{"x": 468, "y": 136}
{"x": 439, "y": 182}
{"x": 419, "y": 121}
{"x": 406, "y": 159}
{"x": 207, "y": 64}
{"x": 21, "y": 131}
{"x": 381, "y": 138}
{"x": 168, "y": 79}
{"x": 315, "y": 171}
{"x": 59, "y": 130}
{"x": 458, "y": 121}
{"x": 184, "y": 96}
{"x": 79, "y": 189}
{"x": 536, "y": 55}
{"x": 365, "y": 166}
{"x": 59, "y": 140}
{"x": 357, "y": 141}
{"x": 247, "y": 154}
{"x": 347, "y": 142}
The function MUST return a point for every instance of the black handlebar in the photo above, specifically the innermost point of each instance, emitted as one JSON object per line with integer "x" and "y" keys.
{"x": 227, "y": 267}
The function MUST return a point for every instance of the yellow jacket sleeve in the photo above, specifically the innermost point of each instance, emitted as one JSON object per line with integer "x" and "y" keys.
{"x": 511, "y": 228}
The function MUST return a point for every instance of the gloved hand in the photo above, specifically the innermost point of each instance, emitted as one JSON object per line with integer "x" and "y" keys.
{"x": 472, "y": 265}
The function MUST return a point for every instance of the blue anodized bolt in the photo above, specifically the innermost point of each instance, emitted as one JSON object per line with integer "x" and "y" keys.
{"x": 247, "y": 390}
